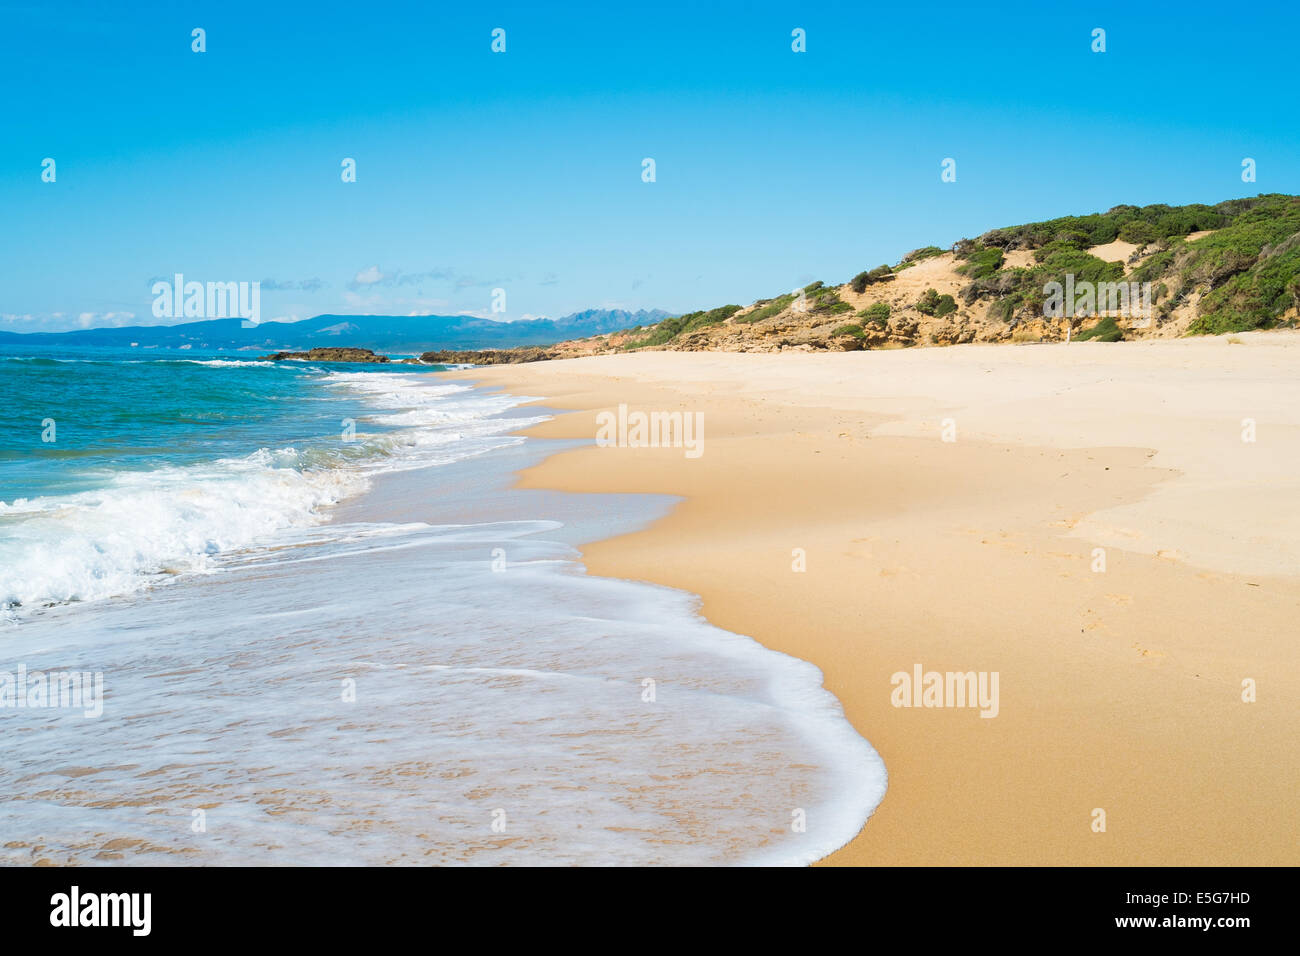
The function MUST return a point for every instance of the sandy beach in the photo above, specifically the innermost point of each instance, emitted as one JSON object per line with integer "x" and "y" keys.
{"x": 1111, "y": 528}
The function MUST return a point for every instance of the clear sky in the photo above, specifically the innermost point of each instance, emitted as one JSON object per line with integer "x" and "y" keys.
{"x": 523, "y": 170}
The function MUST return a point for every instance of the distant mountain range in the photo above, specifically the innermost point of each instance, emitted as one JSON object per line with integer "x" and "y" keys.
{"x": 382, "y": 333}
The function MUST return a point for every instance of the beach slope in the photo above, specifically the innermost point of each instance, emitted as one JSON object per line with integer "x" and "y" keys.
{"x": 1109, "y": 528}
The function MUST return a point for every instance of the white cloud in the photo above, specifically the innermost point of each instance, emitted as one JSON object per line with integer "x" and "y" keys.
{"x": 370, "y": 276}
{"x": 100, "y": 320}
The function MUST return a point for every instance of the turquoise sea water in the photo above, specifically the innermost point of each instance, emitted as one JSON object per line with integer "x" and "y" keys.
{"x": 322, "y": 615}
{"x": 117, "y": 409}
{"x": 119, "y": 464}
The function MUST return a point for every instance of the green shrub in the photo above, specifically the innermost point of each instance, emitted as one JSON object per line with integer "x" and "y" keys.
{"x": 932, "y": 303}
{"x": 1255, "y": 299}
{"x": 983, "y": 262}
{"x": 1104, "y": 331}
{"x": 877, "y": 313}
{"x": 918, "y": 255}
{"x": 854, "y": 330}
{"x": 1060, "y": 247}
{"x": 670, "y": 328}
{"x": 767, "y": 308}
{"x": 1084, "y": 268}
{"x": 1005, "y": 309}
{"x": 1151, "y": 222}
{"x": 1186, "y": 219}
{"x": 1139, "y": 232}
{"x": 823, "y": 300}
{"x": 860, "y": 281}
{"x": 1157, "y": 264}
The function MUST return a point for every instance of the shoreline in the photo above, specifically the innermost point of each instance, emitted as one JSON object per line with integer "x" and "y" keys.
{"x": 417, "y": 705}
{"x": 1120, "y": 691}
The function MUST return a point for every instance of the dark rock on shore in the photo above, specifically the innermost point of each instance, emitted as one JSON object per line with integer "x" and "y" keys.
{"x": 526, "y": 353}
{"x": 489, "y": 356}
{"x": 328, "y": 355}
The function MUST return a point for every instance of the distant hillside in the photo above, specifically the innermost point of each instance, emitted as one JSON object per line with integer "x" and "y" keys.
{"x": 1231, "y": 267}
{"x": 382, "y": 333}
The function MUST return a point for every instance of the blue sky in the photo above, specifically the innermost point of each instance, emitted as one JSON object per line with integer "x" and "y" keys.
{"x": 522, "y": 170}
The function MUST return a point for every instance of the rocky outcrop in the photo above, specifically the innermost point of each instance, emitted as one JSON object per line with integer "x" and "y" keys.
{"x": 327, "y": 355}
{"x": 527, "y": 353}
{"x": 489, "y": 356}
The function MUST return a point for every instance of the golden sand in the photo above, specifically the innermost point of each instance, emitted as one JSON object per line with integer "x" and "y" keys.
{"x": 1121, "y": 689}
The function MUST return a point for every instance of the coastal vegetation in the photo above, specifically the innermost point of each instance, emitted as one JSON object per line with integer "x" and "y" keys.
{"x": 670, "y": 328}
{"x": 1107, "y": 330}
{"x": 1229, "y": 267}
{"x": 766, "y": 308}
{"x": 826, "y": 301}
{"x": 860, "y": 281}
{"x": 918, "y": 255}
{"x": 932, "y": 303}
{"x": 877, "y": 313}
{"x": 1242, "y": 256}
{"x": 852, "y": 329}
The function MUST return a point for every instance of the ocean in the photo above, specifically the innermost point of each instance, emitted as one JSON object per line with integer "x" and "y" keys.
{"x": 329, "y": 631}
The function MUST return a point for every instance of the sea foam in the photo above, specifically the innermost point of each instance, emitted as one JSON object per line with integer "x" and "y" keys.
{"x": 143, "y": 527}
{"x": 370, "y": 690}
